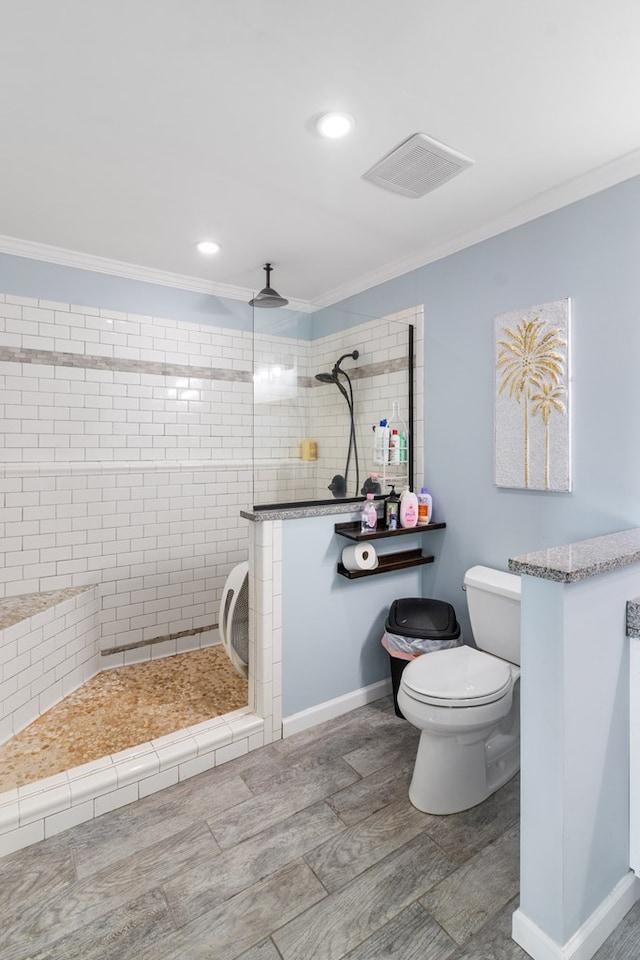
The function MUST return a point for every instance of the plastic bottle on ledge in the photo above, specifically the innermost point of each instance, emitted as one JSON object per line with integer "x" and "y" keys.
{"x": 391, "y": 508}
{"x": 408, "y": 509}
{"x": 384, "y": 442}
{"x": 369, "y": 516}
{"x": 394, "y": 448}
{"x": 397, "y": 423}
{"x": 403, "y": 448}
{"x": 425, "y": 507}
{"x": 381, "y": 443}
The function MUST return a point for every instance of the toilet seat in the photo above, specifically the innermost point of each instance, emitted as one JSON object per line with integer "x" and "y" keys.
{"x": 458, "y": 677}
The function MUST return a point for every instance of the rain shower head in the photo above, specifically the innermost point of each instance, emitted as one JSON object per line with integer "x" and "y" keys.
{"x": 268, "y": 297}
{"x": 326, "y": 377}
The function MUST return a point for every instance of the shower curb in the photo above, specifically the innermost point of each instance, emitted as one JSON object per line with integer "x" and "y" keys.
{"x": 47, "y": 807}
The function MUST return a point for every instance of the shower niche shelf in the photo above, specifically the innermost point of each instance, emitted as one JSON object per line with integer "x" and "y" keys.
{"x": 388, "y": 562}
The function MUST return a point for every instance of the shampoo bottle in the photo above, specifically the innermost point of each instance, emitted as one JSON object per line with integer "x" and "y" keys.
{"x": 394, "y": 447}
{"x": 381, "y": 443}
{"x": 403, "y": 448}
{"x": 425, "y": 506}
{"x": 384, "y": 432}
{"x": 408, "y": 509}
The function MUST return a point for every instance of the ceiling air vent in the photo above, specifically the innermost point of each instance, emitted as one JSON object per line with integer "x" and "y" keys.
{"x": 417, "y": 166}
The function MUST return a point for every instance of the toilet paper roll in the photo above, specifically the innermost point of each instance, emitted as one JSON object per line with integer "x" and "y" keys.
{"x": 359, "y": 556}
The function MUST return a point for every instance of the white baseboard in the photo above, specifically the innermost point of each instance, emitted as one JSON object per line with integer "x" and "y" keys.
{"x": 334, "y": 708}
{"x": 591, "y": 935}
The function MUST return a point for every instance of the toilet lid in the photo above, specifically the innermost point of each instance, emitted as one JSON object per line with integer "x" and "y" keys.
{"x": 460, "y": 676}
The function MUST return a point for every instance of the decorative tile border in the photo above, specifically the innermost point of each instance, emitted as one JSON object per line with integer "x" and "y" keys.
{"x": 364, "y": 372}
{"x": 84, "y": 361}
{"x": 194, "y": 631}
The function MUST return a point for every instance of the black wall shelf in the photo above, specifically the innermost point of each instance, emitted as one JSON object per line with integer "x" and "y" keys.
{"x": 352, "y": 531}
{"x": 387, "y": 562}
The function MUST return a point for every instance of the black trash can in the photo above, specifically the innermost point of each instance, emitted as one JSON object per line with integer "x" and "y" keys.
{"x": 414, "y": 626}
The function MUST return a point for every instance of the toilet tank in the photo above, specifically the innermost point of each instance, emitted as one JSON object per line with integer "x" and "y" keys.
{"x": 493, "y": 599}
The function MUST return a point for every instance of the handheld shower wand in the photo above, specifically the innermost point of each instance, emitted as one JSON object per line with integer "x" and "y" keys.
{"x": 338, "y": 488}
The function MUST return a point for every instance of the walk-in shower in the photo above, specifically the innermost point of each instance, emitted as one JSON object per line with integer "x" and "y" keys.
{"x": 339, "y": 485}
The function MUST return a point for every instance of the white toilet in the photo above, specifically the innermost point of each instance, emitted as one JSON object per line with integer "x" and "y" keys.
{"x": 466, "y": 702}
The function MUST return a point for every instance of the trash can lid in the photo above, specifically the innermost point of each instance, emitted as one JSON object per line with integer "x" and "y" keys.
{"x": 423, "y": 619}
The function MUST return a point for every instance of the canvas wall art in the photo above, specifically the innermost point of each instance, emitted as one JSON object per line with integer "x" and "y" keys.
{"x": 532, "y": 398}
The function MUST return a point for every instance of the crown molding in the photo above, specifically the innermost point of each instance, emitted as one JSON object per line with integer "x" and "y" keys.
{"x": 130, "y": 271}
{"x": 601, "y": 178}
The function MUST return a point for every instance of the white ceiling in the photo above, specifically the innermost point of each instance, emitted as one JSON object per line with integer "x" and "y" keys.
{"x": 131, "y": 129}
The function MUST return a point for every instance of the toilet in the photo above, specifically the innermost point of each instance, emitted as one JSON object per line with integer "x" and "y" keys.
{"x": 466, "y": 702}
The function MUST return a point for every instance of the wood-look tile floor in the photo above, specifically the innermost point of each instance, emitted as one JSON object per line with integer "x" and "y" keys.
{"x": 307, "y": 849}
{"x": 122, "y": 708}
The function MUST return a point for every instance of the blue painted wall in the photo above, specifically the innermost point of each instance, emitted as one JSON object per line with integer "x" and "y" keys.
{"x": 25, "y": 277}
{"x": 331, "y": 626}
{"x": 589, "y": 251}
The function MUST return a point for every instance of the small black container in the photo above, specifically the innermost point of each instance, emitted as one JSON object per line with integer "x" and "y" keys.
{"x": 419, "y": 618}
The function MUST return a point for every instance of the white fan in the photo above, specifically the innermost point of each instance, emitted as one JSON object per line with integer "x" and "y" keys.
{"x": 234, "y": 618}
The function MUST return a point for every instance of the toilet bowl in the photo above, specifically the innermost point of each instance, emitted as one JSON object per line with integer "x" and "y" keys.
{"x": 466, "y": 702}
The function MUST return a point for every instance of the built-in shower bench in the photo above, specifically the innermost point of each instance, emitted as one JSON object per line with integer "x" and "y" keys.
{"x": 15, "y": 609}
{"x": 48, "y": 647}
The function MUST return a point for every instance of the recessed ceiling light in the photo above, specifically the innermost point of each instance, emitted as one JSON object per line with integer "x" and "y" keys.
{"x": 208, "y": 246}
{"x": 334, "y": 125}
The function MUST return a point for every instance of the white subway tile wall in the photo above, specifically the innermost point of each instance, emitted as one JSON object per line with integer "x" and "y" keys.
{"x": 125, "y": 459}
{"x": 129, "y": 445}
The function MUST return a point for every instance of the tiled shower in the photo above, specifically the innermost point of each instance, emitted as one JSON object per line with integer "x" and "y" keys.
{"x": 128, "y": 447}
{"x": 125, "y": 458}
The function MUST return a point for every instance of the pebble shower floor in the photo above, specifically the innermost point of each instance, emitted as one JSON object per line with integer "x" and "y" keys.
{"x": 121, "y": 708}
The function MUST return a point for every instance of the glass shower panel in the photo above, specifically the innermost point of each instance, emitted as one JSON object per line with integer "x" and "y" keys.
{"x": 280, "y": 406}
{"x": 318, "y": 396}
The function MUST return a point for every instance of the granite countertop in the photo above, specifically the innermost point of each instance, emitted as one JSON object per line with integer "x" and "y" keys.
{"x": 308, "y": 510}
{"x": 581, "y": 560}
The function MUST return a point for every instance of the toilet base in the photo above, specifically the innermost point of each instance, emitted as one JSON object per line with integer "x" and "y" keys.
{"x": 448, "y": 781}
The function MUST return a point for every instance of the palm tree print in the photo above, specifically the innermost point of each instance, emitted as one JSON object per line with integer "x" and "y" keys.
{"x": 545, "y": 402}
{"x": 529, "y": 357}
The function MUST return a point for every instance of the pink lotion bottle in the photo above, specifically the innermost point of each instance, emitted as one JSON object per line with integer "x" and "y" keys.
{"x": 408, "y": 509}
